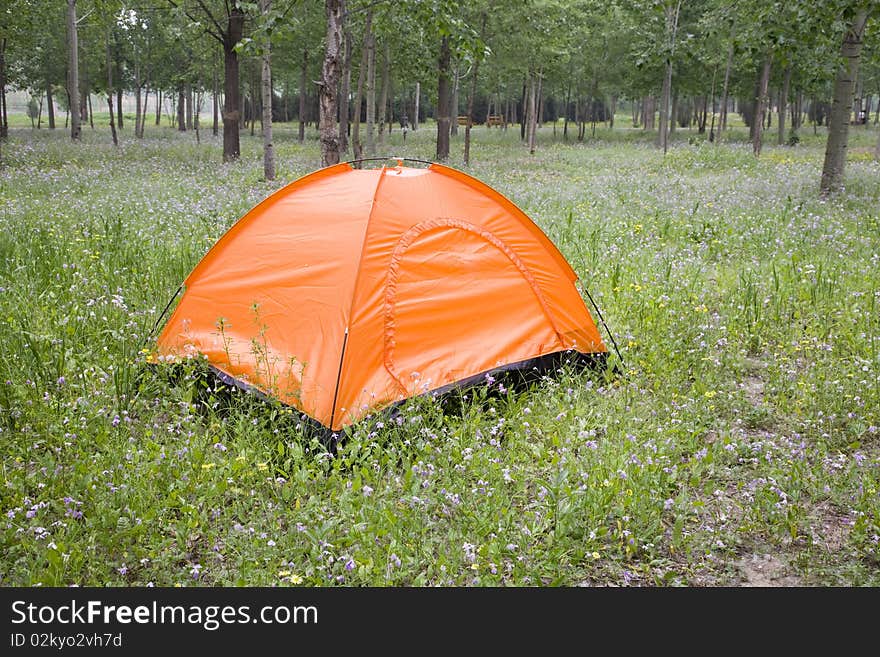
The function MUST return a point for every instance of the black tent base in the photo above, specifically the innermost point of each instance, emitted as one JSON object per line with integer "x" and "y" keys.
{"x": 514, "y": 377}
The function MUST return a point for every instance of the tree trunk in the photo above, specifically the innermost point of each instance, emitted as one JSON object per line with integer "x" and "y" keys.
{"x": 443, "y": 100}
{"x": 303, "y": 73}
{"x": 415, "y": 121}
{"x": 722, "y": 119}
{"x": 383, "y": 95}
{"x": 345, "y": 92}
{"x": 841, "y": 106}
{"x": 137, "y": 101}
{"x": 471, "y": 96}
{"x": 215, "y": 104}
{"x": 453, "y": 104}
{"x": 783, "y": 100}
{"x": 188, "y": 104}
{"x": 266, "y": 92}
{"x": 73, "y": 71}
{"x": 761, "y": 105}
{"x": 533, "y": 114}
{"x": 673, "y": 114}
{"x": 50, "y": 105}
{"x": 232, "y": 94}
{"x": 158, "y": 107}
{"x": 330, "y": 70}
{"x": 181, "y": 109}
{"x": 357, "y": 147}
{"x": 110, "y": 94}
{"x": 371, "y": 96}
{"x": 523, "y": 115}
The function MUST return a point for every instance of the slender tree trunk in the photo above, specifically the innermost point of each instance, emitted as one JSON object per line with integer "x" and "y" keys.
{"x": 671, "y": 30}
{"x": 158, "y": 107}
{"x": 383, "y": 95}
{"x": 841, "y": 106}
{"x": 673, "y": 118}
{"x": 137, "y": 101}
{"x": 188, "y": 105}
{"x": 110, "y": 94}
{"x": 181, "y": 109}
{"x": 371, "y": 96}
{"x": 471, "y": 96}
{"x": 357, "y": 147}
{"x": 415, "y": 121}
{"x": 266, "y": 91}
{"x": 453, "y": 104}
{"x": 330, "y": 70}
{"x": 533, "y": 113}
{"x": 523, "y": 115}
{"x": 215, "y": 104}
{"x": 50, "y": 105}
{"x": 443, "y": 100}
{"x": 761, "y": 104}
{"x": 91, "y": 114}
{"x": 232, "y": 94}
{"x": 783, "y": 99}
{"x": 345, "y": 92}
{"x": 303, "y": 73}
{"x": 73, "y": 71}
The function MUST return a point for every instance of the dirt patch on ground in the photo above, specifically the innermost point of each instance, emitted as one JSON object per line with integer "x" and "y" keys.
{"x": 766, "y": 570}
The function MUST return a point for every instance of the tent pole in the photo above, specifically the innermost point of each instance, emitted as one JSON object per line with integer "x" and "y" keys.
{"x": 602, "y": 319}
{"x": 338, "y": 379}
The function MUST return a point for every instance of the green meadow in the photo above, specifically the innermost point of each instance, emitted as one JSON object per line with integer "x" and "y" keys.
{"x": 737, "y": 445}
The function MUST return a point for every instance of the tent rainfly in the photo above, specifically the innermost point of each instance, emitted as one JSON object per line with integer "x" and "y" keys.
{"x": 352, "y": 289}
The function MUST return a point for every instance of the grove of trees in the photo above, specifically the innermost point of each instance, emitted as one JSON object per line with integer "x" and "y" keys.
{"x": 358, "y": 68}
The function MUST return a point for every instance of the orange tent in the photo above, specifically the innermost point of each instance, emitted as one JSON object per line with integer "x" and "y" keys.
{"x": 351, "y": 289}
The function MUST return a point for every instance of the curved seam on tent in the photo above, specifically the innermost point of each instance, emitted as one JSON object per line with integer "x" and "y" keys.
{"x": 357, "y": 276}
{"x": 406, "y": 240}
{"x": 507, "y": 204}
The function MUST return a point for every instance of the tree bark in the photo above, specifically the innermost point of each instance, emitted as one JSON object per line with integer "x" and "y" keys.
{"x": 110, "y": 94}
{"x": 371, "y": 95}
{"x": 533, "y": 114}
{"x": 357, "y": 147}
{"x": 722, "y": 119}
{"x": 50, "y": 105}
{"x": 158, "y": 106}
{"x": 232, "y": 94}
{"x": 188, "y": 104}
{"x": 330, "y": 71}
{"x": 841, "y": 106}
{"x": 415, "y": 121}
{"x": 443, "y": 100}
{"x": 761, "y": 105}
{"x": 73, "y": 71}
{"x": 453, "y": 104}
{"x": 383, "y": 95}
{"x": 303, "y": 73}
{"x": 471, "y": 96}
{"x": 345, "y": 92}
{"x": 783, "y": 100}
{"x": 215, "y": 104}
{"x": 181, "y": 109}
{"x": 671, "y": 30}
{"x": 266, "y": 91}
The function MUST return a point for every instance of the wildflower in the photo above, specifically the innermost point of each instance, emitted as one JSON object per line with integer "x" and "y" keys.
{"x": 395, "y": 560}
{"x": 122, "y": 570}
{"x": 349, "y": 565}
{"x": 367, "y": 491}
{"x": 668, "y": 504}
{"x": 196, "y": 571}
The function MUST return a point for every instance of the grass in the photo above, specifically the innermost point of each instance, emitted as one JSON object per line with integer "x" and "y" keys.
{"x": 745, "y": 427}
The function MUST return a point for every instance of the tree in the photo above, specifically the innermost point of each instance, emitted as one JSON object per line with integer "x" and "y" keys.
{"x": 226, "y": 25}
{"x": 73, "y": 71}
{"x": 266, "y": 94}
{"x": 841, "y": 106}
{"x": 330, "y": 72}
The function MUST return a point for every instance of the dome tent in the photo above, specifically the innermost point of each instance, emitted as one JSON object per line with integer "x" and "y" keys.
{"x": 352, "y": 289}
